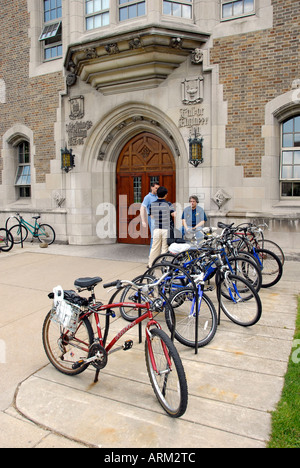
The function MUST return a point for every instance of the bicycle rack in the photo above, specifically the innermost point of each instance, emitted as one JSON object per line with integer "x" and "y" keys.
{"x": 6, "y": 227}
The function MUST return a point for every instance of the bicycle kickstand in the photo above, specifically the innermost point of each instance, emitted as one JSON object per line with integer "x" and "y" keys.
{"x": 97, "y": 376}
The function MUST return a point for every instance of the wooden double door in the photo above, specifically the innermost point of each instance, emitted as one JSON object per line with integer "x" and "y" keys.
{"x": 145, "y": 158}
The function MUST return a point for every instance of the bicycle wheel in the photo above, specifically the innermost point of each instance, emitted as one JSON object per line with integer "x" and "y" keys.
{"x": 19, "y": 233}
{"x": 130, "y": 294}
{"x": 272, "y": 247}
{"x": 244, "y": 306}
{"x": 166, "y": 372}
{"x": 184, "y": 306}
{"x": 271, "y": 267}
{"x": 63, "y": 348}
{"x": 248, "y": 269}
{"x": 6, "y": 240}
{"x": 46, "y": 234}
{"x": 162, "y": 258}
{"x": 186, "y": 259}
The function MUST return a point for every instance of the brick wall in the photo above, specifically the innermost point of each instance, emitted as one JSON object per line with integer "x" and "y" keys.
{"x": 29, "y": 101}
{"x": 254, "y": 69}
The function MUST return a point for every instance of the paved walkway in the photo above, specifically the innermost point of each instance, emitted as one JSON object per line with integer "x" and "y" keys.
{"x": 234, "y": 382}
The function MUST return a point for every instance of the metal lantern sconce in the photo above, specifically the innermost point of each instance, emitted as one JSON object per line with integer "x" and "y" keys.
{"x": 196, "y": 150}
{"x": 67, "y": 160}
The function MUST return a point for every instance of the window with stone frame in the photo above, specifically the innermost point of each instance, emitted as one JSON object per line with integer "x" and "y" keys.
{"x": 290, "y": 158}
{"x": 129, "y": 9}
{"x": 51, "y": 35}
{"x": 23, "y": 176}
{"x": 237, "y": 8}
{"x": 96, "y": 14}
{"x": 179, "y": 9}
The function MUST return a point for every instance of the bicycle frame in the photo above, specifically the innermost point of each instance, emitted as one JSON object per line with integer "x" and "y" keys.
{"x": 30, "y": 226}
{"x": 200, "y": 295}
{"x": 251, "y": 248}
{"x": 108, "y": 308}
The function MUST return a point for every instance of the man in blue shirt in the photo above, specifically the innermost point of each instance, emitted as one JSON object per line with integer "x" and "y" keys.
{"x": 145, "y": 209}
{"x": 193, "y": 217}
{"x": 163, "y": 213}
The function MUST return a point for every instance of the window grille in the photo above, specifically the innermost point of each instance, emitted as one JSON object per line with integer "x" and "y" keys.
{"x": 23, "y": 177}
{"x": 237, "y": 8}
{"x": 97, "y": 14}
{"x": 129, "y": 9}
{"x": 178, "y": 9}
{"x": 290, "y": 158}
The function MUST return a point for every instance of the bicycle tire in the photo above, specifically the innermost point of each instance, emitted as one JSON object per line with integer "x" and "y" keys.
{"x": 166, "y": 257}
{"x": 182, "y": 303}
{"x": 271, "y": 267}
{"x": 46, "y": 234}
{"x": 6, "y": 240}
{"x": 245, "y": 307}
{"x": 187, "y": 259}
{"x": 130, "y": 294}
{"x": 249, "y": 269}
{"x": 272, "y": 247}
{"x": 169, "y": 385}
{"x": 19, "y": 234}
{"x": 58, "y": 345}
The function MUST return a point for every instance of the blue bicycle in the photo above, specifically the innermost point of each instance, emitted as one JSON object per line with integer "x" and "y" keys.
{"x": 269, "y": 263}
{"x": 195, "y": 319}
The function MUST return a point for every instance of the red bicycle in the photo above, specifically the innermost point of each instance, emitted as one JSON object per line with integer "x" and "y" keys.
{"x": 72, "y": 346}
{"x": 6, "y": 240}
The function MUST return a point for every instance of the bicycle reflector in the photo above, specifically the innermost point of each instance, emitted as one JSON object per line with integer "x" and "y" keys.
{"x": 67, "y": 160}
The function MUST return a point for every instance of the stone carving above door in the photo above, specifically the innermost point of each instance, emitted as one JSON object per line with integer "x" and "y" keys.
{"x": 76, "y": 107}
{"x": 145, "y": 58}
{"x": 129, "y": 123}
{"x": 192, "y": 90}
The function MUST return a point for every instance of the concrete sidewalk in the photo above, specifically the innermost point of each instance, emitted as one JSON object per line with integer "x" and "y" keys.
{"x": 234, "y": 382}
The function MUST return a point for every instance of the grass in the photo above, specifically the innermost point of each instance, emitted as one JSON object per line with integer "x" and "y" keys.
{"x": 286, "y": 417}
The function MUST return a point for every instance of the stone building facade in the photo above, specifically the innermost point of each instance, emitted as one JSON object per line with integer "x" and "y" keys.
{"x": 127, "y": 85}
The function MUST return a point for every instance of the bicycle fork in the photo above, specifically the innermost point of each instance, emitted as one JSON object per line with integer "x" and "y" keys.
{"x": 152, "y": 358}
{"x": 234, "y": 297}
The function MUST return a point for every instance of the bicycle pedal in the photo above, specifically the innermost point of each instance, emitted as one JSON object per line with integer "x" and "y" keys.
{"x": 127, "y": 345}
{"x": 210, "y": 288}
{"x": 77, "y": 364}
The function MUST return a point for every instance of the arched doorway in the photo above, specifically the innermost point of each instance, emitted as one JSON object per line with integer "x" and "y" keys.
{"x": 144, "y": 159}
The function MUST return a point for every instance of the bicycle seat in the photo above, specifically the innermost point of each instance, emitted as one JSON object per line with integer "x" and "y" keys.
{"x": 87, "y": 282}
{"x": 224, "y": 226}
{"x": 35, "y": 217}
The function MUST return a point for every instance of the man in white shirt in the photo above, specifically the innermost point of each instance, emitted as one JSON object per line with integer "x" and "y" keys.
{"x": 145, "y": 209}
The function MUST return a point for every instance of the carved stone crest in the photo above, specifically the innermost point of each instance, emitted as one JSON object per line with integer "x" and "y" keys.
{"x": 221, "y": 198}
{"x": 76, "y": 107}
{"x": 197, "y": 56}
{"x": 192, "y": 90}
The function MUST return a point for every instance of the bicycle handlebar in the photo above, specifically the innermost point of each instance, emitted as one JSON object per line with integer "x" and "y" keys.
{"x": 112, "y": 284}
{"x": 118, "y": 284}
